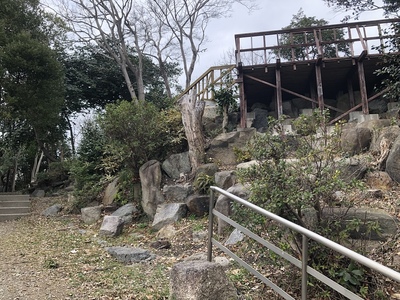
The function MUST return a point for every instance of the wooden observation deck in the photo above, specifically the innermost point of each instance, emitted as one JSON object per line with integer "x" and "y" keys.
{"x": 313, "y": 66}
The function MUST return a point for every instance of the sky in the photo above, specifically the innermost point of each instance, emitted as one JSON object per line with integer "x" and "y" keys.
{"x": 271, "y": 15}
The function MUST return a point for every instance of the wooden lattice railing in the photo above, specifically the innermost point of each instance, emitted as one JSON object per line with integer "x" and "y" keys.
{"x": 213, "y": 77}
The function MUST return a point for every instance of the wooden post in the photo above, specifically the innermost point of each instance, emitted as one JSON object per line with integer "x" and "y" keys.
{"x": 350, "y": 91}
{"x": 279, "y": 107}
{"x": 363, "y": 85}
{"x": 243, "y": 104}
{"x": 318, "y": 78}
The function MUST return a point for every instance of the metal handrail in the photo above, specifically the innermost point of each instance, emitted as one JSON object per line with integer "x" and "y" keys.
{"x": 303, "y": 264}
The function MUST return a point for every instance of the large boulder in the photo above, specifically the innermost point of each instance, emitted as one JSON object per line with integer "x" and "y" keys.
{"x": 225, "y": 179}
{"x": 91, "y": 214}
{"x": 198, "y": 204}
{"x": 150, "y": 176}
{"x": 393, "y": 161}
{"x": 52, "y": 211}
{"x": 355, "y": 140}
{"x": 353, "y": 168}
{"x": 199, "y": 280}
{"x": 111, "y": 226}
{"x": 388, "y": 225}
{"x": 168, "y": 213}
{"x": 177, "y": 192}
{"x": 390, "y": 133}
{"x": 176, "y": 165}
{"x": 224, "y": 203}
{"x": 110, "y": 192}
{"x": 222, "y": 148}
{"x": 126, "y": 212}
{"x": 208, "y": 169}
{"x": 260, "y": 119}
{"x": 379, "y": 180}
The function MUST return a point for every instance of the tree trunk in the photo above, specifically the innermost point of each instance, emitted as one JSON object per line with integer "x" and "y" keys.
{"x": 36, "y": 166}
{"x": 225, "y": 117}
{"x": 192, "y": 116}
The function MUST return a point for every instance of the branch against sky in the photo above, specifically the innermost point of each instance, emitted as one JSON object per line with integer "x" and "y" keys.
{"x": 187, "y": 20}
{"x": 105, "y": 22}
{"x": 357, "y": 7}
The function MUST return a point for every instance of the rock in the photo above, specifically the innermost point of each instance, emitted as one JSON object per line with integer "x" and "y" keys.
{"x": 353, "y": 168}
{"x": 38, "y": 193}
{"x": 224, "y": 204}
{"x": 389, "y": 133}
{"x": 111, "y": 192}
{"x": 161, "y": 244}
{"x": 167, "y": 232}
{"x": 223, "y": 261}
{"x": 261, "y": 118}
{"x": 208, "y": 169}
{"x": 387, "y": 224}
{"x": 177, "y": 192}
{"x": 128, "y": 255}
{"x": 150, "y": 176}
{"x": 91, "y": 214}
{"x": 235, "y": 237}
{"x": 222, "y": 148}
{"x": 379, "y": 180}
{"x": 126, "y": 212}
{"x": 393, "y": 161}
{"x": 177, "y": 164}
{"x": 199, "y": 280}
{"x": 247, "y": 164}
{"x": 355, "y": 140}
{"x": 198, "y": 204}
{"x": 225, "y": 179}
{"x": 377, "y": 106}
{"x": 374, "y": 125}
{"x": 111, "y": 226}
{"x": 199, "y": 236}
{"x": 52, "y": 211}
{"x": 168, "y": 213}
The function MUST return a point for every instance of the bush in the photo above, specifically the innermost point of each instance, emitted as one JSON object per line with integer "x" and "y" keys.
{"x": 139, "y": 132}
{"x": 295, "y": 178}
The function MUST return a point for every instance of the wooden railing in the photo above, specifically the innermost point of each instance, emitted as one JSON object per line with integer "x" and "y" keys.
{"x": 302, "y": 44}
{"x": 213, "y": 77}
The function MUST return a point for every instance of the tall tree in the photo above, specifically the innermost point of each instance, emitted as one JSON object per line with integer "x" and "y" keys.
{"x": 357, "y": 7}
{"x": 107, "y": 24}
{"x": 187, "y": 20}
{"x": 31, "y": 79}
{"x": 304, "y": 44}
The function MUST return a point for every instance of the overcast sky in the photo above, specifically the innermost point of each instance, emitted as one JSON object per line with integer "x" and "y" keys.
{"x": 272, "y": 15}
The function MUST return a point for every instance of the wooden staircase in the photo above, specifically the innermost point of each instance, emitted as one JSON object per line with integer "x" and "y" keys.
{"x": 14, "y": 206}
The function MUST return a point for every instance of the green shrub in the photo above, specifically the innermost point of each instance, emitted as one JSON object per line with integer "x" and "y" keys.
{"x": 202, "y": 183}
{"x": 295, "y": 178}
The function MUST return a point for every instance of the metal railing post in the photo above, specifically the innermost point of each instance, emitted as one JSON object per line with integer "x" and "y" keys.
{"x": 304, "y": 264}
{"x": 210, "y": 226}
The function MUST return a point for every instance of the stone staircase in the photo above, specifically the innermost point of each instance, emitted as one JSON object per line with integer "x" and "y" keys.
{"x": 14, "y": 206}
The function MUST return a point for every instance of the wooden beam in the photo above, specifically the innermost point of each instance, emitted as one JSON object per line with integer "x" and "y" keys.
{"x": 243, "y": 102}
{"x": 291, "y": 92}
{"x": 363, "y": 88}
{"x": 320, "y": 91}
{"x": 279, "y": 106}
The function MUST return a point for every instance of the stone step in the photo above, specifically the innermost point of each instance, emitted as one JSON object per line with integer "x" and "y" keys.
{"x": 16, "y": 203}
{"x": 10, "y": 217}
{"x": 12, "y": 197}
{"x": 14, "y": 206}
{"x": 14, "y": 210}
